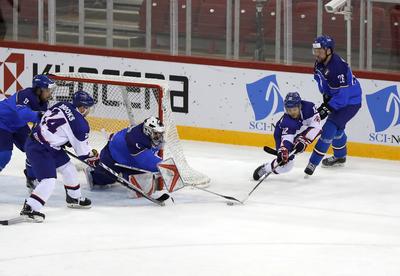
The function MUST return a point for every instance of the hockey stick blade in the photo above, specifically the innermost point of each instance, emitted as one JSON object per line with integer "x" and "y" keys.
{"x": 12, "y": 221}
{"x": 217, "y": 194}
{"x": 163, "y": 198}
{"x": 264, "y": 176}
{"x": 270, "y": 150}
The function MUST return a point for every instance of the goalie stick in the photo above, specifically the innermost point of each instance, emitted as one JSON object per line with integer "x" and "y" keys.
{"x": 134, "y": 168}
{"x": 172, "y": 167}
{"x": 125, "y": 183}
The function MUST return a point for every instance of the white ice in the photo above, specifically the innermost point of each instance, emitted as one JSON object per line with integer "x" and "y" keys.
{"x": 343, "y": 221}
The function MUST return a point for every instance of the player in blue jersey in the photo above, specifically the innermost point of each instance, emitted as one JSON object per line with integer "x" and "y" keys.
{"x": 137, "y": 147}
{"x": 297, "y": 128}
{"x": 15, "y": 112}
{"x": 341, "y": 93}
{"x": 63, "y": 124}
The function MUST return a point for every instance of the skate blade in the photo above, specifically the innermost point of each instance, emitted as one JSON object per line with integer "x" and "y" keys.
{"x": 338, "y": 165}
{"x": 36, "y": 219}
{"x": 77, "y": 206}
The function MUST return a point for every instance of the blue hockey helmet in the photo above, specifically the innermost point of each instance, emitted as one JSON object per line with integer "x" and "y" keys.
{"x": 82, "y": 98}
{"x": 42, "y": 81}
{"x": 292, "y": 99}
{"x": 324, "y": 41}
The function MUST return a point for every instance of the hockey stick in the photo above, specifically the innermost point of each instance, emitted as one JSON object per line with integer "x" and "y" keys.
{"x": 270, "y": 150}
{"x": 194, "y": 186}
{"x": 256, "y": 186}
{"x": 134, "y": 168}
{"x": 125, "y": 183}
{"x": 214, "y": 193}
{"x": 263, "y": 177}
{"x": 15, "y": 220}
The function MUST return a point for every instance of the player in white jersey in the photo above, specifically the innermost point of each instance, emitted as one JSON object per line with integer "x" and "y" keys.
{"x": 63, "y": 124}
{"x": 298, "y": 127}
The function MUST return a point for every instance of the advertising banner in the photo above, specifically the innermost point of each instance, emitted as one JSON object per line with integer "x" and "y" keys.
{"x": 218, "y": 98}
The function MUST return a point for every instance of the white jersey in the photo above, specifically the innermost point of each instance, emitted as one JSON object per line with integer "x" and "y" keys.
{"x": 309, "y": 125}
{"x": 63, "y": 124}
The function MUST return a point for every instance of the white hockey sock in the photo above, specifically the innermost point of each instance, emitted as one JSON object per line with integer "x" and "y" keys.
{"x": 280, "y": 169}
{"x": 70, "y": 178}
{"x": 41, "y": 193}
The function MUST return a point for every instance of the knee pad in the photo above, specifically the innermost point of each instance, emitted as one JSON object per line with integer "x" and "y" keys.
{"x": 5, "y": 157}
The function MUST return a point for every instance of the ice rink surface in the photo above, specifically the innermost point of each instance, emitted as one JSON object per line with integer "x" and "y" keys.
{"x": 343, "y": 221}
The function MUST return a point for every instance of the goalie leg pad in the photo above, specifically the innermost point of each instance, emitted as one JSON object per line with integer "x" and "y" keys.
{"x": 144, "y": 182}
{"x": 170, "y": 175}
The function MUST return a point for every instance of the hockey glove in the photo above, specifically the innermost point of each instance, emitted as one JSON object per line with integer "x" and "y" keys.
{"x": 300, "y": 144}
{"x": 324, "y": 110}
{"x": 326, "y": 98}
{"x": 93, "y": 159}
{"x": 283, "y": 156}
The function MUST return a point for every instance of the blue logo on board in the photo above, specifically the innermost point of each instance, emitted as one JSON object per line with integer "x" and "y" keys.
{"x": 265, "y": 97}
{"x": 384, "y": 107}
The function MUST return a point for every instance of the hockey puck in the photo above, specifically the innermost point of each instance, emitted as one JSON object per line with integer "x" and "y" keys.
{"x": 229, "y": 203}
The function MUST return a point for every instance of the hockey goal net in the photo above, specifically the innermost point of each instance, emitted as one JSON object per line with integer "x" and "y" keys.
{"x": 123, "y": 101}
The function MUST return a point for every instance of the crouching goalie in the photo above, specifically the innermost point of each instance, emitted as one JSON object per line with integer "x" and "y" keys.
{"x": 130, "y": 152}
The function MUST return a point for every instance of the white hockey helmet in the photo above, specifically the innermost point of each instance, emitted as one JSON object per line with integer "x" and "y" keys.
{"x": 155, "y": 129}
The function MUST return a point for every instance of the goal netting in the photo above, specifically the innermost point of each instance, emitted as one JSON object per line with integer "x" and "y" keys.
{"x": 122, "y": 101}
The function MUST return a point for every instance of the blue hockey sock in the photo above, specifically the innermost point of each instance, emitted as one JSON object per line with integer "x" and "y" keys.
{"x": 5, "y": 157}
{"x": 328, "y": 132}
{"x": 339, "y": 144}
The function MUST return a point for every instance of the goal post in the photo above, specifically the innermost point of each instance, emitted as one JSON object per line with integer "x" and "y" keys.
{"x": 121, "y": 101}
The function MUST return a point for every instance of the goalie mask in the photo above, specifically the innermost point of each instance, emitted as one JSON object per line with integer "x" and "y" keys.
{"x": 153, "y": 128}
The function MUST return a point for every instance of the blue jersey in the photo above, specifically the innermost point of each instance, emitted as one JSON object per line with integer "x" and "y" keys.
{"x": 337, "y": 83}
{"x": 308, "y": 125}
{"x": 19, "y": 109}
{"x": 128, "y": 143}
{"x": 29, "y": 98}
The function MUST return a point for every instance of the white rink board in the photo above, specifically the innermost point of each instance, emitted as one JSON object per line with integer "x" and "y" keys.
{"x": 218, "y": 97}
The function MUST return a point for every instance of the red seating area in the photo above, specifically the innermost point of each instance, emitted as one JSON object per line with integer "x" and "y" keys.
{"x": 209, "y": 22}
{"x": 395, "y": 30}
